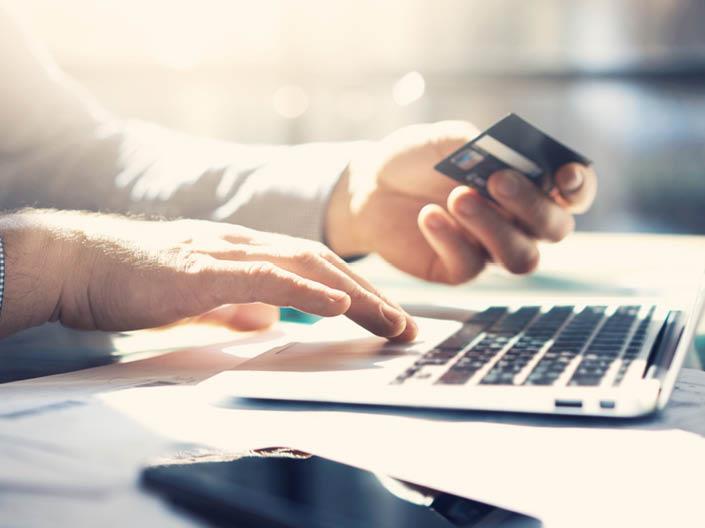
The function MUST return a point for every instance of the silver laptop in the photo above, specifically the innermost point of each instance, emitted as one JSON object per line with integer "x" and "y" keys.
{"x": 615, "y": 357}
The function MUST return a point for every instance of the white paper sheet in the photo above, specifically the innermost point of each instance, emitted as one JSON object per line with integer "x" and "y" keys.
{"x": 182, "y": 367}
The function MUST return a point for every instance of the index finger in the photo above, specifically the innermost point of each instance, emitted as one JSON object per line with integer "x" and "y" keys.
{"x": 576, "y": 186}
{"x": 227, "y": 282}
{"x": 410, "y": 330}
{"x": 367, "y": 307}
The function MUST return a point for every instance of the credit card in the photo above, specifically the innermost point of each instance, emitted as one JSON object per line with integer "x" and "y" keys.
{"x": 511, "y": 143}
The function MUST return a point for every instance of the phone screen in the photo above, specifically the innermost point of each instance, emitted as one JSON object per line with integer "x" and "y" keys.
{"x": 311, "y": 492}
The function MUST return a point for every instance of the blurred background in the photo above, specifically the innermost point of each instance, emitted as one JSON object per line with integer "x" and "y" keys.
{"x": 620, "y": 80}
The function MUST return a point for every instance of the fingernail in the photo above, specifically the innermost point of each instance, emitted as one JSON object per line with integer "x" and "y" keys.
{"x": 410, "y": 332}
{"x": 336, "y": 295}
{"x": 573, "y": 181}
{"x": 392, "y": 315}
{"x": 507, "y": 183}
{"x": 410, "y": 323}
{"x": 468, "y": 205}
{"x": 435, "y": 222}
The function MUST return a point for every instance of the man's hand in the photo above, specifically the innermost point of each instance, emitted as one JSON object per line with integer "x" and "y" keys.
{"x": 111, "y": 273}
{"x": 392, "y": 201}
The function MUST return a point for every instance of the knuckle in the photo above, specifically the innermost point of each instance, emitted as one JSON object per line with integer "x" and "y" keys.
{"x": 258, "y": 275}
{"x": 307, "y": 258}
{"x": 193, "y": 283}
{"x": 185, "y": 259}
{"x": 302, "y": 292}
{"x": 328, "y": 254}
{"x": 321, "y": 251}
{"x": 333, "y": 258}
{"x": 261, "y": 271}
{"x": 319, "y": 248}
{"x": 300, "y": 286}
{"x": 359, "y": 294}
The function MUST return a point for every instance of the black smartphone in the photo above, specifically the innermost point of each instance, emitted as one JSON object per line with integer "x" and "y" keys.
{"x": 313, "y": 493}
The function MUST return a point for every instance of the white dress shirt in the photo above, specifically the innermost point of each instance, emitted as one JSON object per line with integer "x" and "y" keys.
{"x": 59, "y": 148}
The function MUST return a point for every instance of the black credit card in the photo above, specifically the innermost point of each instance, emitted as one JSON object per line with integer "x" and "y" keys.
{"x": 511, "y": 143}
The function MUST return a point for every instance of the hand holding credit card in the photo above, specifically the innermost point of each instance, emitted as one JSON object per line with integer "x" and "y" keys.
{"x": 392, "y": 201}
{"x": 511, "y": 143}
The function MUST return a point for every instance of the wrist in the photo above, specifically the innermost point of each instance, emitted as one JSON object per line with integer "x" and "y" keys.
{"x": 340, "y": 224}
{"x": 33, "y": 272}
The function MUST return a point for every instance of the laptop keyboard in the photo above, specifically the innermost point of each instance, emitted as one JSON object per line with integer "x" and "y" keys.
{"x": 528, "y": 346}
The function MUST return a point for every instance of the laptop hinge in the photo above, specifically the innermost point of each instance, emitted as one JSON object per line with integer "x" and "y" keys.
{"x": 664, "y": 348}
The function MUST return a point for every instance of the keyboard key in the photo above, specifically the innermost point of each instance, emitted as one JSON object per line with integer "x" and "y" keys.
{"x": 489, "y": 316}
{"x": 570, "y": 343}
{"x": 401, "y": 378}
{"x": 455, "y": 377}
{"x": 543, "y": 379}
{"x": 498, "y": 378}
{"x": 463, "y": 337}
{"x": 431, "y": 361}
{"x": 528, "y": 330}
{"x": 529, "y": 344}
{"x": 586, "y": 380}
{"x": 605, "y": 347}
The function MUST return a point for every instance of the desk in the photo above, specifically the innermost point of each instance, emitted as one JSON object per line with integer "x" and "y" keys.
{"x": 92, "y": 449}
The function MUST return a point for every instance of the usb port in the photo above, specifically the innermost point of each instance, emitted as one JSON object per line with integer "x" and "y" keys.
{"x": 607, "y": 404}
{"x": 573, "y": 404}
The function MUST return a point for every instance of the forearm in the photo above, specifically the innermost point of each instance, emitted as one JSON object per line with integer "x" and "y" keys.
{"x": 34, "y": 270}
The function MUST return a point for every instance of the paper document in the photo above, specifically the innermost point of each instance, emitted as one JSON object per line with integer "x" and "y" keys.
{"x": 186, "y": 366}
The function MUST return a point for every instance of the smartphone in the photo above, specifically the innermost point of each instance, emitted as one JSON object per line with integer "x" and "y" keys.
{"x": 313, "y": 493}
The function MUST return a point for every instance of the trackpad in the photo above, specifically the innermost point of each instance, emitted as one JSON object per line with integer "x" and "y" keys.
{"x": 339, "y": 344}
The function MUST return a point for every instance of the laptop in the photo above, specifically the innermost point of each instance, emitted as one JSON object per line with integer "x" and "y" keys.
{"x": 612, "y": 358}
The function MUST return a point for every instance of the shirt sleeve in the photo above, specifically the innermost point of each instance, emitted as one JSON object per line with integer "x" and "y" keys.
{"x": 59, "y": 148}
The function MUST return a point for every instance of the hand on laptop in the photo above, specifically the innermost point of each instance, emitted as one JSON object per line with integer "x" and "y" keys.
{"x": 391, "y": 201}
{"x": 112, "y": 273}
